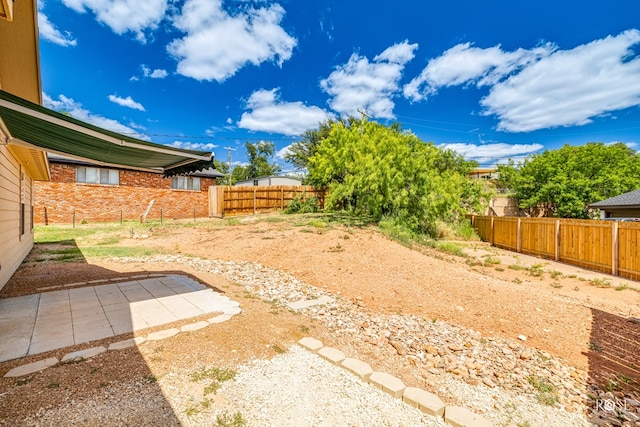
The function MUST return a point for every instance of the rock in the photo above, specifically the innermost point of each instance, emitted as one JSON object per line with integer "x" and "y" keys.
{"x": 488, "y": 382}
{"x": 526, "y": 355}
{"x": 454, "y": 347}
{"x": 461, "y": 371}
{"x": 522, "y": 337}
{"x": 430, "y": 349}
{"x": 472, "y": 380}
{"x": 402, "y": 351}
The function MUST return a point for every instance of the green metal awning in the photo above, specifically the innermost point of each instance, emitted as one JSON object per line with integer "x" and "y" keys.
{"x": 31, "y": 125}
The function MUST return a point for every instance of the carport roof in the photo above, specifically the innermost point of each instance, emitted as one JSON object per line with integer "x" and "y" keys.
{"x": 33, "y": 126}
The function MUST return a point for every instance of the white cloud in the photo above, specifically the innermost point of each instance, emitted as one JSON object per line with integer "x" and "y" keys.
{"x": 75, "y": 110}
{"x": 126, "y": 102}
{"x": 199, "y": 146}
{"x": 49, "y": 32}
{"x": 491, "y": 154}
{"x": 158, "y": 73}
{"x": 217, "y": 45}
{"x": 570, "y": 87}
{"x": 124, "y": 16}
{"x": 360, "y": 84}
{"x": 465, "y": 64}
{"x": 269, "y": 114}
{"x": 147, "y": 72}
{"x": 283, "y": 151}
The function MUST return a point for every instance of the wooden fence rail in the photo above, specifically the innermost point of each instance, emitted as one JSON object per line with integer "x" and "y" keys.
{"x": 608, "y": 246}
{"x": 229, "y": 201}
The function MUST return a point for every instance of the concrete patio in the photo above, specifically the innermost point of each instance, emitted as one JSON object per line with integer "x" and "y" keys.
{"x": 33, "y": 324}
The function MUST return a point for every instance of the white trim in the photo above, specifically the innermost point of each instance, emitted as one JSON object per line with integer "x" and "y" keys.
{"x": 95, "y": 134}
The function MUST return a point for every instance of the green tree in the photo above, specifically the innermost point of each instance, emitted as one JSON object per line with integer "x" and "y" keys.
{"x": 300, "y": 151}
{"x": 383, "y": 172}
{"x": 258, "y": 157}
{"x": 566, "y": 180}
{"x": 223, "y": 168}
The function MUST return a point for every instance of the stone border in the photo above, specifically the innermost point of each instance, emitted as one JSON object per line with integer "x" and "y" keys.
{"x": 87, "y": 353}
{"x": 426, "y": 402}
{"x": 102, "y": 281}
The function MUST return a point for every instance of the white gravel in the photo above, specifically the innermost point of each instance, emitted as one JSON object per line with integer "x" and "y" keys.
{"x": 299, "y": 389}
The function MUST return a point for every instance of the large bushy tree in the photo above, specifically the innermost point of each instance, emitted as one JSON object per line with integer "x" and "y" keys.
{"x": 566, "y": 180}
{"x": 384, "y": 172}
{"x": 299, "y": 152}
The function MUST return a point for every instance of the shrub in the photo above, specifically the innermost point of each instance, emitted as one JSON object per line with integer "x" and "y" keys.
{"x": 302, "y": 204}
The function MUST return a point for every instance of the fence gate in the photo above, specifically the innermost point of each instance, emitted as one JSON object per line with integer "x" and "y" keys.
{"x": 216, "y": 201}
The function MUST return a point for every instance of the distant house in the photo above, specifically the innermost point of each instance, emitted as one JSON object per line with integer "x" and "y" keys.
{"x": 484, "y": 174}
{"x": 269, "y": 180}
{"x": 626, "y": 205}
{"x": 85, "y": 191}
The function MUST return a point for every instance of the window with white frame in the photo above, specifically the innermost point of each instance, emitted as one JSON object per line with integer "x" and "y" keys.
{"x": 185, "y": 183}
{"x": 89, "y": 175}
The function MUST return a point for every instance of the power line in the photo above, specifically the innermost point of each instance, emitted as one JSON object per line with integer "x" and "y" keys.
{"x": 221, "y": 138}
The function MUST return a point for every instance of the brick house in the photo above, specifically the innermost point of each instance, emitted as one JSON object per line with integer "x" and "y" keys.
{"x": 82, "y": 191}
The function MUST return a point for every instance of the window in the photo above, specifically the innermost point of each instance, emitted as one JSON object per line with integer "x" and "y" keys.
{"x": 185, "y": 183}
{"x": 97, "y": 176}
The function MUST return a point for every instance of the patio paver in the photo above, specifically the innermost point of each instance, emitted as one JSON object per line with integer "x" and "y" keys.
{"x": 34, "y": 324}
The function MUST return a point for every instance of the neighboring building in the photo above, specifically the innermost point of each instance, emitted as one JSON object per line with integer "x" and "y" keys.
{"x": 28, "y": 131}
{"x": 19, "y": 166}
{"x": 83, "y": 191}
{"x": 484, "y": 174}
{"x": 626, "y": 205}
{"x": 269, "y": 180}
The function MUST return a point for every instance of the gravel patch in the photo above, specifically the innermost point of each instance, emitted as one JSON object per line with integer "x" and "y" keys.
{"x": 299, "y": 388}
{"x": 409, "y": 335}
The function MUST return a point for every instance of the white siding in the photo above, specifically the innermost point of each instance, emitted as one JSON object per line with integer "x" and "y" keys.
{"x": 13, "y": 247}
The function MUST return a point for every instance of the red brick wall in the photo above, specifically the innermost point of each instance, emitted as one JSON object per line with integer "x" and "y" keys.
{"x": 56, "y": 201}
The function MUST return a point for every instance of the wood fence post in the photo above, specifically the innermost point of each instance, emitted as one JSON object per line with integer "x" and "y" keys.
{"x": 519, "y": 237}
{"x": 492, "y": 232}
{"x": 615, "y": 249}
{"x": 282, "y": 198}
{"x": 557, "y": 240}
{"x": 254, "y": 201}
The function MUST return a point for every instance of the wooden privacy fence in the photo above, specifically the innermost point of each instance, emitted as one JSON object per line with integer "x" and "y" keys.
{"x": 608, "y": 246}
{"x": 229, "y": 201}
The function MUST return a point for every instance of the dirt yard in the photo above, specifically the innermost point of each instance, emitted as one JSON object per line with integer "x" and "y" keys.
{"x": 567, "y": 312}
{"x": 553, "y": 310}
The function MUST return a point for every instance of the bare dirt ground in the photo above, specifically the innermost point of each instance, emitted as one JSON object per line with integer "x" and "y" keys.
{"x": 365, "y": 266}
{"x": 562, "y": 310}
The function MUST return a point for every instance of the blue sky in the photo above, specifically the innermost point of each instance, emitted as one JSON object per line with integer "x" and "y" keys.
{"x": 491, "y": 80}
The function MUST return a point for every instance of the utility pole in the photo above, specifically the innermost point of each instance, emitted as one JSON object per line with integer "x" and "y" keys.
{"x": 363, "y": 112}
{"x": 229, "y": 150}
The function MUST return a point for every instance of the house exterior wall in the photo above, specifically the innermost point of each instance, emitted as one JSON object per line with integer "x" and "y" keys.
{"x": 631, "y": 212}
{"x": 19, "y": 60}
{"x": 19, "y": 75}
{"x": 63, "y": 201}
{"x": 14, "y": 191}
